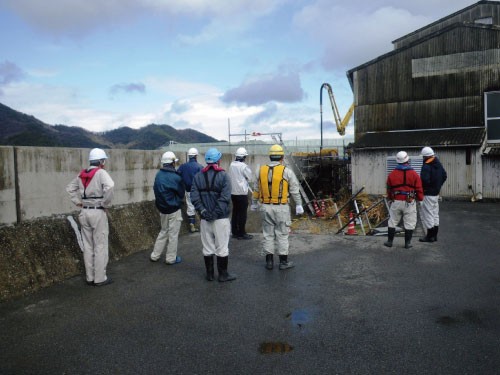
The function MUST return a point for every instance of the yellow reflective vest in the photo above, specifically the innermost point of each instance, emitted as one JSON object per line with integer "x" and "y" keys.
{"x": 273, "y": 187}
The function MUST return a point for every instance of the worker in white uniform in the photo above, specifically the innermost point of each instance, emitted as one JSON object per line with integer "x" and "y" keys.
{"x": 92, "y": 191}
{"x": 274, "y": 183}
{"x": 241, "y": 176}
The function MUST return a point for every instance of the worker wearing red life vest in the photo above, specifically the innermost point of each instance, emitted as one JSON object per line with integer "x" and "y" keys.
{"x": 404, "y": 189}
{"x": 92, "y": 191}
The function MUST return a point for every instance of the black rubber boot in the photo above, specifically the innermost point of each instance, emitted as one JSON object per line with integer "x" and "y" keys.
{"x": 222, "y": 269}
{"x": 284, "y": 263}
{"x": 269, "y": 261}
{"x": 390, "y": 237}
{"x": 209, "y": 265}
{"x": 408, "y": 236}
{"x": 435, "y": 233}
{"x": 429, "y": 237}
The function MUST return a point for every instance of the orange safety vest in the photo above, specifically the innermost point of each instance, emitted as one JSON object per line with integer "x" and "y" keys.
{"x": 273, "y": 187}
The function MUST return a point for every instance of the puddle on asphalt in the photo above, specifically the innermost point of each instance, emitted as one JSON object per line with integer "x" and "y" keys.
{"x": 299, "y": 318}
{"x": 275, "y": 347}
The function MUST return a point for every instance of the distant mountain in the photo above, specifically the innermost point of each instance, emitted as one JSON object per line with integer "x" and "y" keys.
{"x": 153, "y": 136}
{"x": 19, "y": 129}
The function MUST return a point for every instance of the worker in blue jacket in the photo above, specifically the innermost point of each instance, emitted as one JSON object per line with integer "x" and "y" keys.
{"x": 169, "y": 195}
{"x": 188, "y": 170}
{"x": 433, "y": 177}
{"x": 211, "y": 196}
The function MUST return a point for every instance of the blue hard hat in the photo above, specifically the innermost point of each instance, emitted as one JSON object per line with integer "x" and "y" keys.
{"x": 212, "y": 156}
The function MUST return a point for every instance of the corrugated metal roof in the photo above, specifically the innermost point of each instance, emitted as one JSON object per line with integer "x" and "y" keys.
{"x": 492, "y": 149}
{"x": 454, "y": 137}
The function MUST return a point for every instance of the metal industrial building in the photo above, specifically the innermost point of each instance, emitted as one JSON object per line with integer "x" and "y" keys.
{"x": 439, "y": 87}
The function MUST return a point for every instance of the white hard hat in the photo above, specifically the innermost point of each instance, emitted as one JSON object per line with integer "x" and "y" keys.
{"x": 168, "y": 158}
{"x": 241, "y": 152}
{"x": 427, "y": 151}
{"x": 402, "y": 157}
{"x": 97, "y": 154}
{"x": 192, "y": 152}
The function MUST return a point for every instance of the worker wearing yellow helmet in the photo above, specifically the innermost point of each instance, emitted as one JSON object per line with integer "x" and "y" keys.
{"x": 273, "y": 185}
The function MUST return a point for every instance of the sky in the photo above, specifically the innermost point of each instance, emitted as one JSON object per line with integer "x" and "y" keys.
{"x": 222, "y": 67}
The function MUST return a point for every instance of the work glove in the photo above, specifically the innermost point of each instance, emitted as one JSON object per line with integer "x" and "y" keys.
{"x": 299, "y": 210}
{"x": 255, "y": 205}
{"x": 206, "y": 215}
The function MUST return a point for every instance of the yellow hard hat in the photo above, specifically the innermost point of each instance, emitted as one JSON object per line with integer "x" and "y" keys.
{"x": 276, "y": 150}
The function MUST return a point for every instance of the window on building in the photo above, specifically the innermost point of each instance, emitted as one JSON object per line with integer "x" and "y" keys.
{"x": 416, "y": 162}
{"x": 484, "y": 20}
{"x": 492, "y": 116}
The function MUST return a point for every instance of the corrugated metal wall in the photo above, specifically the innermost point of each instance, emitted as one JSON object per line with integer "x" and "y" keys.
{"x": 389, "y": 97}
{"x": 491, "y": 177}
{"x": 369, "y": 170}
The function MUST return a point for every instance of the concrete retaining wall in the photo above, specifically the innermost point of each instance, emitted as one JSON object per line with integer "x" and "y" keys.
{"x": 37, "y": 244}
{"x": 33, "y": 180}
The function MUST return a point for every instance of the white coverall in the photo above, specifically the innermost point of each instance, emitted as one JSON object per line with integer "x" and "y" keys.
{"x": 276, "y": 218}
{"x": 405, "y": 210}
{"x": 215, "y": 237}
{"x": 190, "y": 210}
{"x": 170, "y": 227}
{"x": 429, "y": 211}
{"x": 94, "y": 221}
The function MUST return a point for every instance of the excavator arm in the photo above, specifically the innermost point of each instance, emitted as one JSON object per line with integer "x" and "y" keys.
{"x": 340, "y": 122}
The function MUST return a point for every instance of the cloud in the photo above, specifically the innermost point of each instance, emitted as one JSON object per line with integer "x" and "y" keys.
{"x": 78, "y": 18}
{"x": 127, "y": 88}
{"x": 73, "y": 18}
{"x": 180, "y": 106}
{"x": 284, "y": 88}
{"x": 9, "y": 73}
{"x": 267, "y": 113}
{"x": 354, "y": 32}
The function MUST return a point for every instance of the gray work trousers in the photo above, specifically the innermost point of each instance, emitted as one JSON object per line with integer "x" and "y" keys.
{"x": 429, "y": 211}
{"x": 168, "y": 236}
{"x": 405, "y": 210}
{"x": 95, "y": 230}
{"x": 276, "y": 221}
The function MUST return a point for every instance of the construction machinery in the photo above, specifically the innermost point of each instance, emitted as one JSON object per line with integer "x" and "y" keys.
{"x": 340, "y": 122}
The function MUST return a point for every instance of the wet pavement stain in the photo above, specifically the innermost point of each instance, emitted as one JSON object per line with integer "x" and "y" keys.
{"x": 472, "y": 316}
{"x": 466, "y": 316}
{"x": 275, "y": 347}
{"x": 299, "y": 318}
{"x": 446, "y": 320}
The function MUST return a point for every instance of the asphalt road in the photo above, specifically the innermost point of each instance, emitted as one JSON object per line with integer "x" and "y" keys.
{"x": 350, "y": 306}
